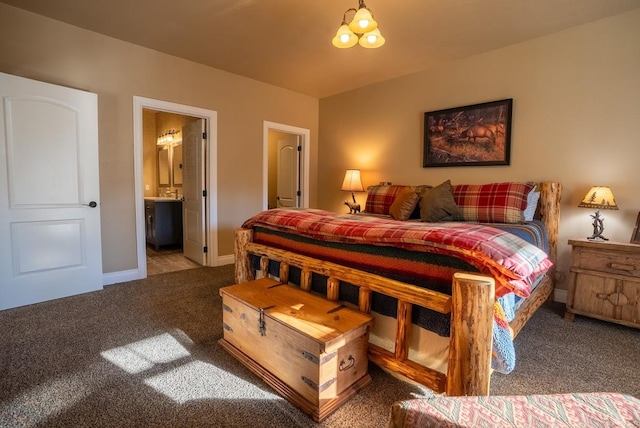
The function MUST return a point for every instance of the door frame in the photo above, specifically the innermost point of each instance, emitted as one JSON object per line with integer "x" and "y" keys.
{"x": 211, "y": 161}
{"x": 305, "y": 135}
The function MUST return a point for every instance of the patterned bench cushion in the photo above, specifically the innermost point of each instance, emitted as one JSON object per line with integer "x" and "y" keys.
{"x": 557, "y": 411}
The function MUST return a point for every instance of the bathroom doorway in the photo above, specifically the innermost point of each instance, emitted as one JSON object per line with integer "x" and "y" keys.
{"x": 164, "y": 194}
{"x": 162, "y": 180}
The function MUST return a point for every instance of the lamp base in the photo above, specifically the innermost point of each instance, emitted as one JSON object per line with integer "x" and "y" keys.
{"x": 598, "y": 228}
{"x": 597, "y": 238}
{"x": 354, "y": 208}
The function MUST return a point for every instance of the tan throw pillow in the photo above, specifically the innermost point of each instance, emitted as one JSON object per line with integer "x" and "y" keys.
{"x": 404, "y": 204}
{"x": 437, "y": 204}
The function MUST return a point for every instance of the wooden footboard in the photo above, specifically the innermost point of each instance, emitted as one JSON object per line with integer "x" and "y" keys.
{"x": 471, "y": 324}
{"x": 470, "y": 305}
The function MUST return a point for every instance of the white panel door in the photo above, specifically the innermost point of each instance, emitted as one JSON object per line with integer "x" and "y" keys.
{"x": 193, "y": 201}
{"x": 288, "y": 166}
{"x": 50, "y": 244}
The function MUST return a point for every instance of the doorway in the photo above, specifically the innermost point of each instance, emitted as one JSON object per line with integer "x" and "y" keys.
{"x": 293, "y": 172}
{"x": 207, "y": 152}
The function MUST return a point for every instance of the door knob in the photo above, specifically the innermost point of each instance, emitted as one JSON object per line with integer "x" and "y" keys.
{"x": 91, "y": 204}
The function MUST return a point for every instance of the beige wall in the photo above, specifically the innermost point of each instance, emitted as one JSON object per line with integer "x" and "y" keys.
{"x": 43, "y": 49}
{"x": 576, "y": 114}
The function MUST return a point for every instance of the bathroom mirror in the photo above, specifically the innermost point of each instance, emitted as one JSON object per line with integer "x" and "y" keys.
{"x": 177, "y": 165}
{"x": 164, "y": 167}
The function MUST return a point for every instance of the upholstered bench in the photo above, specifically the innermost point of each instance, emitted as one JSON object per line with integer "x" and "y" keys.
{"x": 558, "y": 410}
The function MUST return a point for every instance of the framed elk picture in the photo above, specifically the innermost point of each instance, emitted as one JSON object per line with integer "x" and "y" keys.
{"x": 474, "y": 135}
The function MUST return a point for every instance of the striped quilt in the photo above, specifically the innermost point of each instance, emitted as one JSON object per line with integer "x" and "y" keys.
{"x": 513, "y": 262}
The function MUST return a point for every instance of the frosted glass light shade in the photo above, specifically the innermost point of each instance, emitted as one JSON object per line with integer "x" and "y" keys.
{"x": 372, "y": 39}
{"x": 344, "y": 37}
{"x": 363, "y": 22}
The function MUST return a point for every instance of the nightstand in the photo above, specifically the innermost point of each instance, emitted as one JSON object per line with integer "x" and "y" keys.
{"x": 604, "y": 281}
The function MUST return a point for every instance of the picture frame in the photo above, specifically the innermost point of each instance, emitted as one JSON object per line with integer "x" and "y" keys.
{"x": 635, "y": 236}
{"x": 473, "y": 135}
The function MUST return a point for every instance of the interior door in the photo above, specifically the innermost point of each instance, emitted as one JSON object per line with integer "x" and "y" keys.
{"x": 193, "y": 190}
{"x": 50, "y": 243}
{"x": 288, "y": 167}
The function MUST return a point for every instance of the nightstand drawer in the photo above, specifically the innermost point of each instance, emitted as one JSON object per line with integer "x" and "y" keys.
{"x": 603, "y": 261}
{"x": 607, "y": 298}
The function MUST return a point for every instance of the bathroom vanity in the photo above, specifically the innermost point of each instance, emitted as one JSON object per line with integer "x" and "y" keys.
{"x": 163, "y": 218}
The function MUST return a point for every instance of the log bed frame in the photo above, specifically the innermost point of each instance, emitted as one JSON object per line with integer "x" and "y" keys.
{"x": 470, "y": 305}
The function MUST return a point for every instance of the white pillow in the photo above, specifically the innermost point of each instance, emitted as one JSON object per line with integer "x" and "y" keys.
{"x": 532, "y": 204}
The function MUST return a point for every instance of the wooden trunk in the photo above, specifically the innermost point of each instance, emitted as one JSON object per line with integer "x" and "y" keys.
{"x": 311, "y": 350}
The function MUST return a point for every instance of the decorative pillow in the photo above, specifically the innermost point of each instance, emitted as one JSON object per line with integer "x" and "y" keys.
{"x": 419, "y": 190}
{"x": 437, "y": 204}
{"x": 492, "y": 203}
{"x": 532, "y": 205}
{"x": 380, "y": 198}
{"x": 404, "y": 204}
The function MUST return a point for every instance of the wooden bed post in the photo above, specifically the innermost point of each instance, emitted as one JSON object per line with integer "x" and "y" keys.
{"x": 244, "y": 273}
{"x": 550, "y": 194}
{"x": 469, "y": 368}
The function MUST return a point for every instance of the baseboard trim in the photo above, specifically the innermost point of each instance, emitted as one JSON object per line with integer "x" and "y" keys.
{"x": 560, "y": 296}
{"x": 229, "y": 259}
{"x": 133, "y": 274}
{"x": 121, "y": 276}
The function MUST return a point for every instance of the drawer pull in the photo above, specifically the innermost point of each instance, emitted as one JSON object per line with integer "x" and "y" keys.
{"x": 621, "y": 266}
{"x": 346, "y": 366}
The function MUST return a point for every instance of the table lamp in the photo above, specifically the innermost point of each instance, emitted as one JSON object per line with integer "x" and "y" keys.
{"x": 600, "y": 198}
{"x": 352, "y": 183}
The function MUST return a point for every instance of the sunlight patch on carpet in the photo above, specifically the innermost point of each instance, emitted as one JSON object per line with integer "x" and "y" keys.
{"x": 139, "y": 356}
{"x": 193, "y": 380}
{"x": 35, "y": 406}
{"x": 198, "y": 380}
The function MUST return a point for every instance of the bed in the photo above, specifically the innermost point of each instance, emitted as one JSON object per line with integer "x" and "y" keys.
{"x": 466, "y": 288}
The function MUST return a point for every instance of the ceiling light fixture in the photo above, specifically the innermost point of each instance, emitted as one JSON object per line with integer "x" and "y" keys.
{"x": 168, "y": 137}
{"x": 362, "y": 29}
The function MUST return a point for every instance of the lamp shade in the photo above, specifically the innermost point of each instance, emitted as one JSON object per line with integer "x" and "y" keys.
{"x": 363, "y": 21}
{"x": 352, "y": 181}
{"x": 599, "y": 197}
{"x": 372, "y": 39}
{"x": 344, "y": 37}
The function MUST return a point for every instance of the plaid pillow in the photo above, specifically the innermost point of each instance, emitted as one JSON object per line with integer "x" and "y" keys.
{"x": 492, "y": 203}
{"x": 380, "y": 198}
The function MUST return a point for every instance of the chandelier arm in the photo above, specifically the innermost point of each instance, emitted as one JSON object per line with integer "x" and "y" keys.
{"x": 344, "y": 17}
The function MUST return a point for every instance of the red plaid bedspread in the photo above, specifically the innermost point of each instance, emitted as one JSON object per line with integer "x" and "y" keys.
{"x": 513, "y": 262}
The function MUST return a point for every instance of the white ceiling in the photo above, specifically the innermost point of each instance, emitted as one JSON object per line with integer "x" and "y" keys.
{"x": 287, "y": 43}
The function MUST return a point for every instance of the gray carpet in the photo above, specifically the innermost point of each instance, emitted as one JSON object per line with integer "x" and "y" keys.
{"x": 145, "y": 353}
